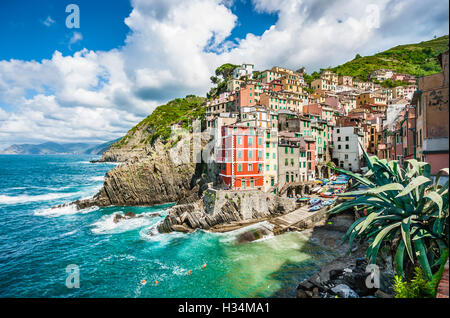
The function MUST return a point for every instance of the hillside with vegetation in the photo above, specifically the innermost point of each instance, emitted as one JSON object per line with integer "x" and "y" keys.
{"x": 417, "y": 59}
{"x": 158, "y": 124}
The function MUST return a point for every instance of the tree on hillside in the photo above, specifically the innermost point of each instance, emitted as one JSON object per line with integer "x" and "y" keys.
{"x": 222, "y": 74}
{"x": 225, "y": 70}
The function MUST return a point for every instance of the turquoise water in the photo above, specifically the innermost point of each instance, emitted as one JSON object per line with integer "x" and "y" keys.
{"x": 37, "y": 243}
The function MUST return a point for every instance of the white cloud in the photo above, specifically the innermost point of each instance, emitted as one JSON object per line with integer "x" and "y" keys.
{"x": 173, "y": 48}
{"x": 76, "y": 37}
{"x": 48, "y": 21}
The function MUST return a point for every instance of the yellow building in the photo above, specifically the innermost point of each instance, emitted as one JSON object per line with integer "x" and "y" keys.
{"x": 370, "y": 98}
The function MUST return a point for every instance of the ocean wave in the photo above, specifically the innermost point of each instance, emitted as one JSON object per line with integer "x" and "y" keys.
{"x": 24, "y": 198}
{"x": 64, "y": 210}
{"x": 106, "y": 224}
{"x": 97, "y": 178}
{"x": 68, "y": 233}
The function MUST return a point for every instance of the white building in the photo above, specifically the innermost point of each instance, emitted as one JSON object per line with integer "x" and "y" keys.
{"x": 347, "y": 151}
{"x": 243, "y": 70}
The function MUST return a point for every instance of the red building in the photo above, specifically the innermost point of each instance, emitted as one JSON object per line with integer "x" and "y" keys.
{"x": 242, "y": 157}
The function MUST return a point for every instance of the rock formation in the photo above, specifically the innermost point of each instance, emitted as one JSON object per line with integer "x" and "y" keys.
{"x": 162, "y": 173}
{"x": 218, "y": 207}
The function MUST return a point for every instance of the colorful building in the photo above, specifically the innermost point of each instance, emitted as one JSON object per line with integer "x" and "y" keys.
{"x": 241, "y": 157}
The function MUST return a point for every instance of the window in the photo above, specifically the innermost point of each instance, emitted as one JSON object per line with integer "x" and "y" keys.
{"x": 292, "y": 162}
{"x": 346, "y": 138}
{"x": 274, "y": 167}
{"x": 259, "y": 154}
{"x": 250, "y": 154}
{"x": 239, "y": 140}
{"x": 346, "y": 156}
{"x": 339, "y": 139}
{"x": 267, "y": 155}
{"x": 260, "y": 141}
{"x": 286, "y": 162}
{"x": 346, "y": 146}
{"x": 339, "y": 146}
{"x": 267, "y": 167}
{"x": 239, "y": 154}
{"x": 250, "y": 141}
{"x": 287, "y": 178}
{"x": 250, "y": 167}
{"x": 337, "y": 130}
{"x": 274, "y": 155}
{"x": 285, "y": 149}
{"x": 239, "y": 167}
{"x": 292, "y": 150}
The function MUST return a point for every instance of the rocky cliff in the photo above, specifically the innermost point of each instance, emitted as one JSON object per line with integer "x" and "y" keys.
{"x": 164, "y": 173}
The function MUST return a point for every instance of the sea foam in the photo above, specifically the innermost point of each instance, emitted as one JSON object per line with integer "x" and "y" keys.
{"x": 24, "y": 198}
{"x": 98, "y": 178}
{"x": 106, "y": 224}
{"x": 64, "y": 210}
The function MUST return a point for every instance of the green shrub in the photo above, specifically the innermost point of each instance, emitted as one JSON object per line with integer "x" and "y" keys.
{"x": 418, "y": 287}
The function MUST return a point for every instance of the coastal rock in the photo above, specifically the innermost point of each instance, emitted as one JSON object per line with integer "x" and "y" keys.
{"x": 221, "y": 207}
{"x": 256, "y": 232}
{"x": 127, "y": 215}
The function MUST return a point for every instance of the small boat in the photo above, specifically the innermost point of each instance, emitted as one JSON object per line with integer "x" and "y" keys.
{"x": 328, "y": 202}
{"x": 327, "y": 194}
{"x": 347, "y": 198}
{"x": 315, "y": 208}
{"x": 314, "y": 201}
{"x": 304, "y": 199}
{"x": 339, "y": 182}
{"x": 314, "y": 190}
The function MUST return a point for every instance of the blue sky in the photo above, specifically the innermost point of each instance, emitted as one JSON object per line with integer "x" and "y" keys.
{"x": 27, "y": 36}
{"x": 33, "y": 30}
{"x": 94, "y": 83}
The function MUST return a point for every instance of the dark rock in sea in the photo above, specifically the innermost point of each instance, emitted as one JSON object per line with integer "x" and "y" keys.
{"x": 127, "y": 215}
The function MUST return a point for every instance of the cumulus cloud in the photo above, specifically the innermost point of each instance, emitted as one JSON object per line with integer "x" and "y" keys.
{"x": 174, "y": 46}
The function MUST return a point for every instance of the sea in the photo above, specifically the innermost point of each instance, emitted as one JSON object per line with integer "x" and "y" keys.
{"x": 65, "y": 252}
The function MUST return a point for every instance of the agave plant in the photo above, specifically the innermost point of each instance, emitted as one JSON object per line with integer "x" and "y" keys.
{"x": 405, "y": 209}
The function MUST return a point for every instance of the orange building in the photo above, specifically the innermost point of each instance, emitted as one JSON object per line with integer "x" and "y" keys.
{"x": 241, "y": 156}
